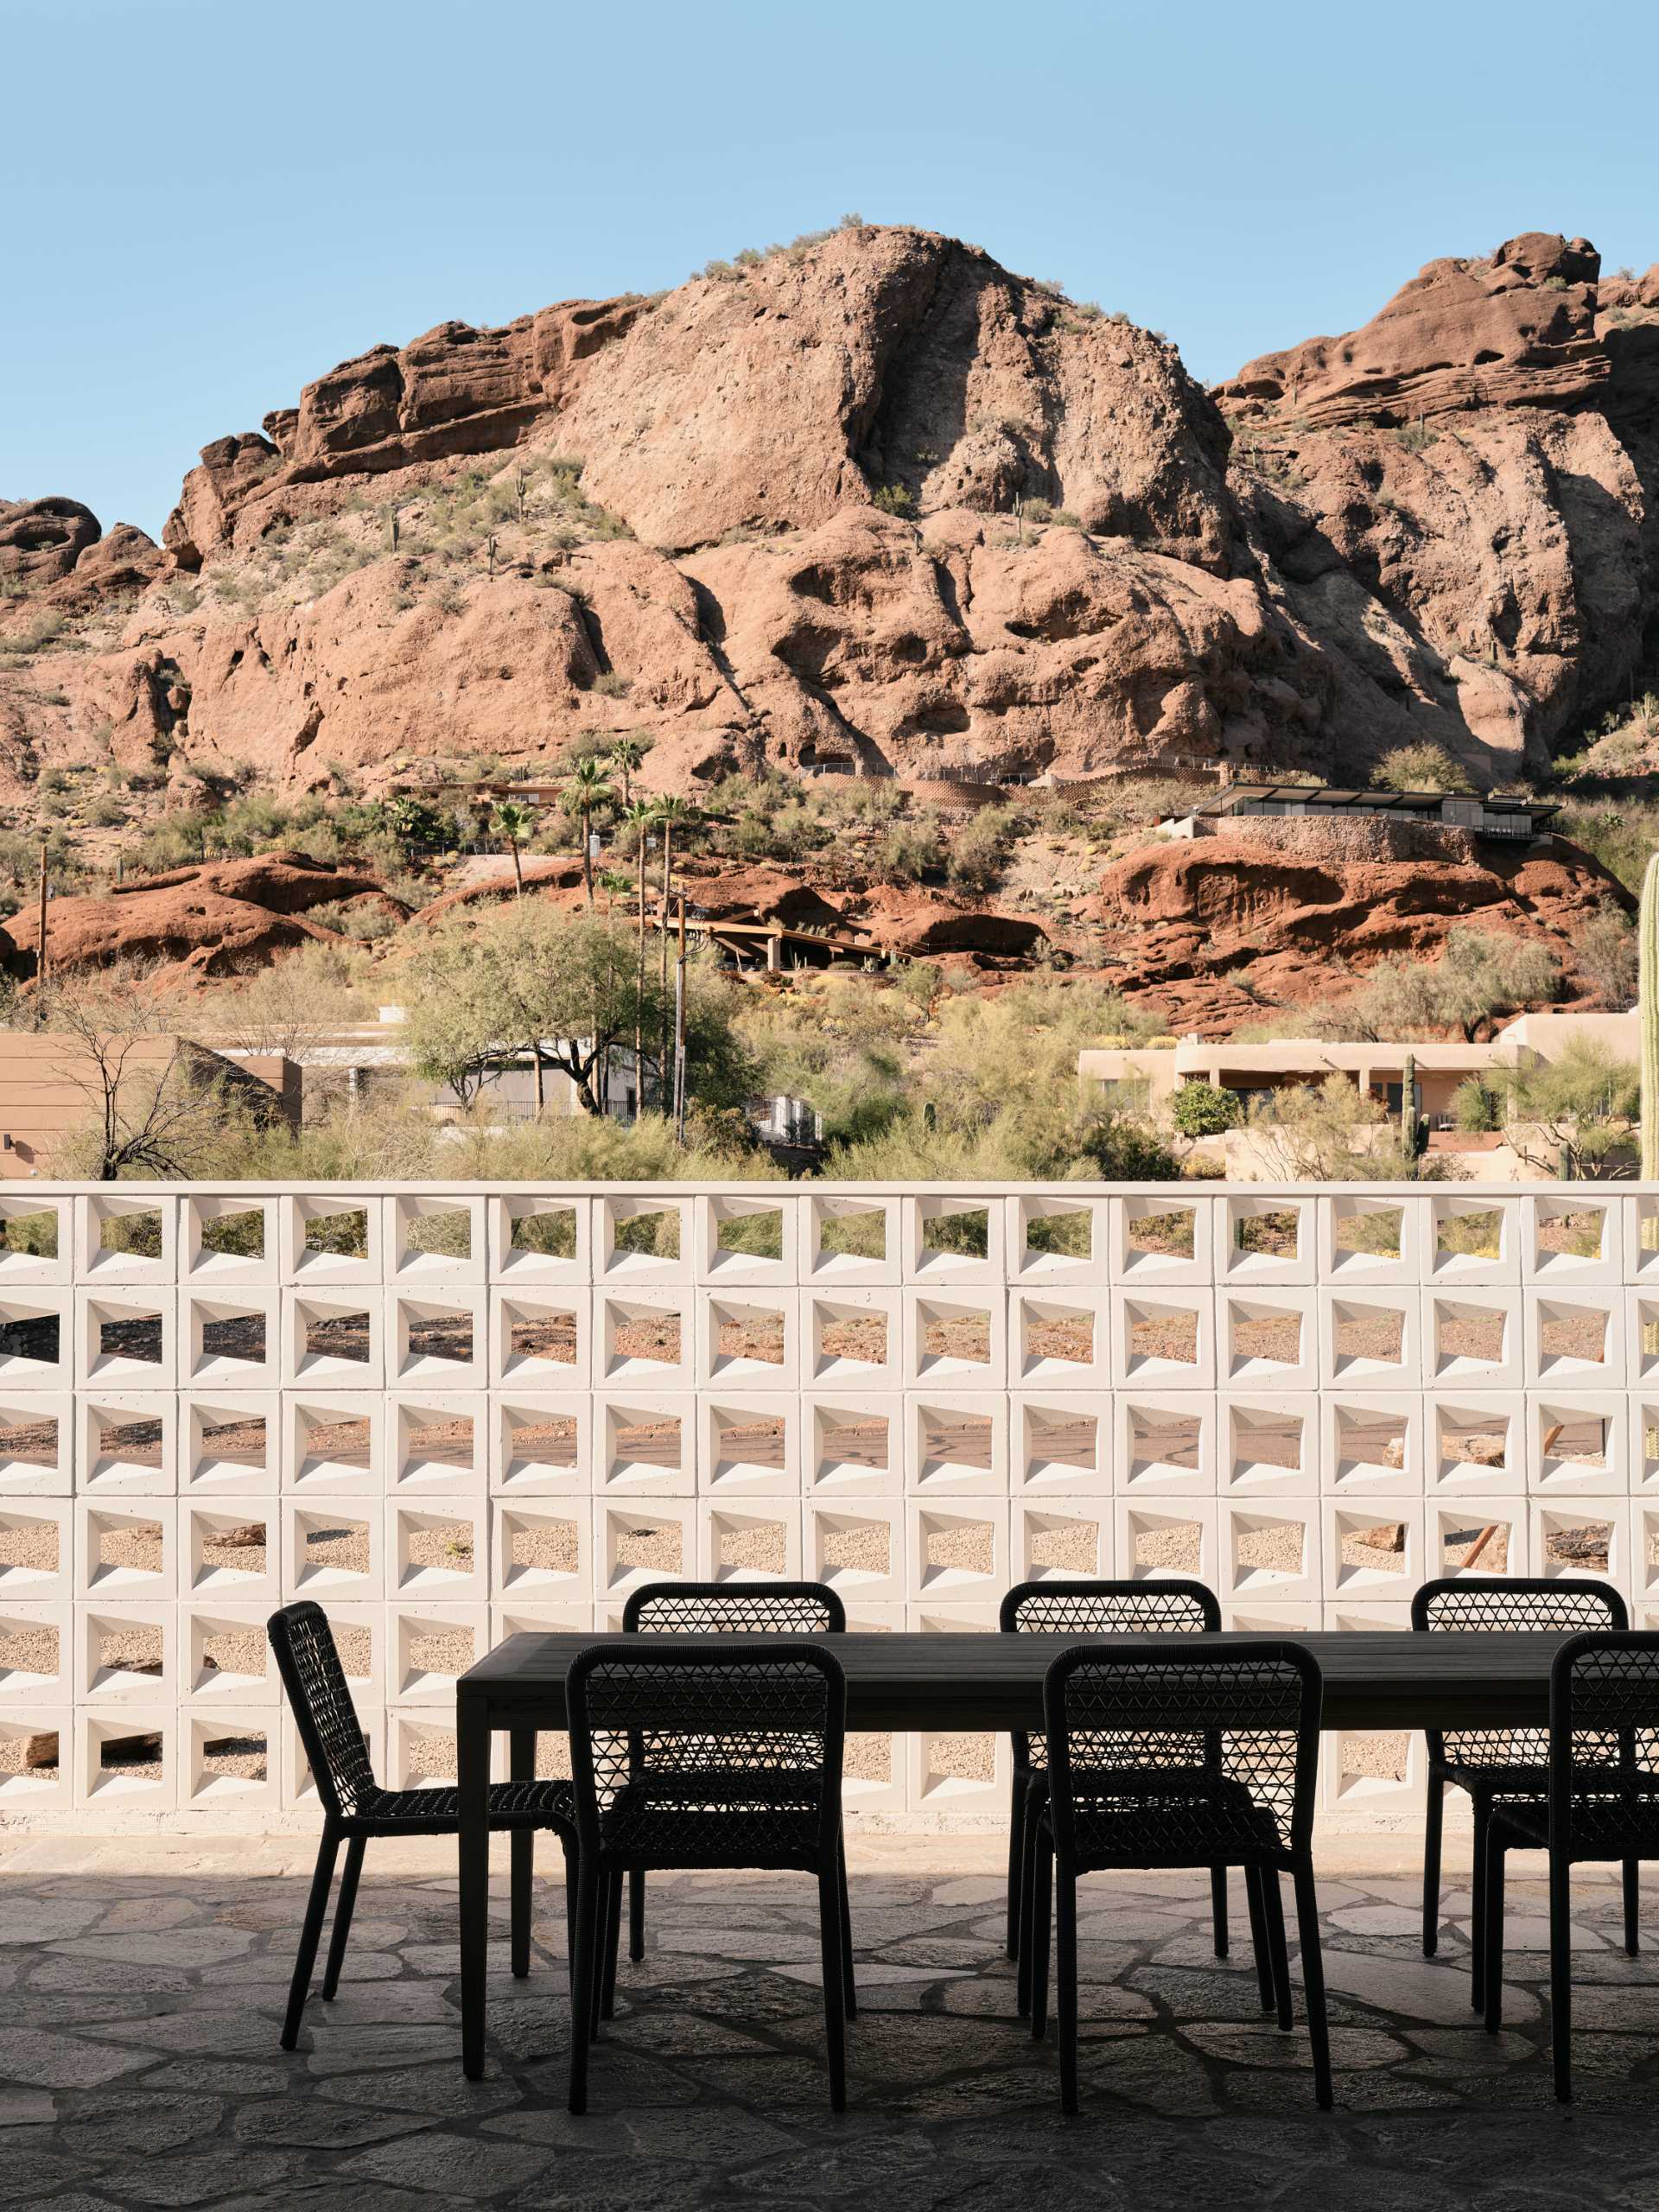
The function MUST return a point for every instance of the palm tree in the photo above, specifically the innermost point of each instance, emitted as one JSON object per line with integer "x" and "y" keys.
{"x": 671, "y": 812}
{"x": 516, "y": 822}
{"x": 640, "y": 818}
{"x": 586, "y": 792}
{"x": 626, "y": 756}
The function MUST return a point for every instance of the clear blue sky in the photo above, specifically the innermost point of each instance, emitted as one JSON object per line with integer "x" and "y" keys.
{"x": 205, "y": 203}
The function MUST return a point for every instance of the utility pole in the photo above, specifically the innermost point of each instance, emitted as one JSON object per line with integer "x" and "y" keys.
{"x": 679, "y": 1033}
{"x": 40, "y": 965}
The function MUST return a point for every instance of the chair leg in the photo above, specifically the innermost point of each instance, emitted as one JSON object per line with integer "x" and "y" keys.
{"x": 1037, "y": 1934}
{"x": 1308, "y": 1929}
{"x": 1273, "y": 1911}
{"x": 613, "y": 1941}
{"x": 569, "y": 1848}
{"x": 849, "y": 1987}
{"x": 1434, "y": 1825}
{"x": 1218, "y": 1908}
{"x": 589, "y": 1886}
{"x": 637, "y": 1915}
{"x": 1016, "y": 1862}
{"x": 1633, "y": 1907}
{"x": 523, "y": 1848}
{"x": 1033, "y": 1812}
{"x": 1560, "y": 1974}
{"x": 1065, "y": 1983}
{"x": 310, "y": 1935}
{"x": 834, "y": 1990}
{"x": 602, "y": 1935}
{"x": 1259, "y": 1945}
{"x": 343, "y": 1906}
{"x": 1492, "y": 1931}
{"x": 1478, "y": 1916}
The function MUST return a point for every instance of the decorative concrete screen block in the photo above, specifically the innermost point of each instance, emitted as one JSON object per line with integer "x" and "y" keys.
{"x": 1644, "y": 1561}
{"x": 333, "y": 1547}
{"x": 1175, "y": 1536}
{"x": 1641, "y": 1238}
{"x": 757, "y": 1542}
{"x": 440, "y": 1338}
{"x": 1370, "y": 1340}
{"x": 37, "y": 1549}
{"x": 1371, "y": 1241}
{"x": 37, "y": 1444}
{"x": 125, "y": 1758}
{"x": 1644, "y": 1448}
{"x": 958, "y": 1550}
{"x": 231, "y": 1548}
{"x": 1164, "y": 1339}
{"x": 37, "y": 1660}
{"x": 957, "y": 1340}
{"x": 646, "y": 1444}
{"x": 541, "y": 1338}
{"x": 1578, "y": 1443}
{"x": 1269, "y": 1443}
{"x": 436, "y": 1240}
{"x": 420, "y": 1749}
{"x": 232, "y": 1758}
{"x": 1060, "y": 1338}
{"x": 850, "y": 1243}
{"x": 1158, "y": 1237}
{"x": 1642, "y": 1360}
{"x": 127, "y": 1444}
{"x": 1268, "y": 1339}
{"x": 1060, "y": 1444}
{"x": 359, "y": 1634}
{"x": 224, "y": 1656}
{"x": 333, "y": 1237}
{"x": 1063, "y": 1539}
{"x": 126, "y": 1548}
{"x": 539, "y": 1549}
{"x": 957, "y": 1444}
{"x": 1367, "y": 1617}
{"x": 1473, "y": 1338}
{"x": 299, "y": 1789}
{"x": 748, "y": 1339}
{"x": 852, "y": 1445}
{"x": 643, "y": 1239}
{"x": 230, "y": 1443}
{"x": 438, "y": 1442}
{"x": 954, "y": 1237}
{"x": 643, "y": 1540}
{"x": 1374, "y": 1549}
{"x": 332, "y": 1442}
{"x": 36, "y": 1339}
{"x": 1250, "y": 1618}
{"x": 749, "y": 1445}
{"x": 125, "y": 1652}
{"x": 852, "y": 1339}
{"x": 1266, "y": 1240}
{"x": 230, "y": 1239}
{"x": 127, "y": 1239}
{"x": 1371, "y": 1443}
{"x": 541, "y": 1446}
{"x": 1572, "y": 1239}
{"x": 127, "y": 1339}
{"x": 645, "y": 1337}
{"x": 857, "y": 1546}
{"x": 1059, "y": 1239}
{"x": 437, "y": 1548}
{"x": 1164, "y": 1444}
{"x": 1270, "y": 1551}
{"x": 429, "y": 1647}
{"x": 541, "y": 1240}
{"x": 229, "y": 1338}
{"x": 957, "y": 1774}
{"x": 37, "y": 1752}
{"x": 1380, "y": 1766}
{"x": 1469, "y": 1534}
{"x": 746, "y": 1240}
{"x": 334, "y": 1339}
{"x": 1473, "y": 1240}
{"x": 1576, "y": 1337}
{"x": 36, "y": 1241}
{"x": 1574, "y": 1537}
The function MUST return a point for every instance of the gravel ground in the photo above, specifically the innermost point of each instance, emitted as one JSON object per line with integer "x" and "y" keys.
{"x": 964, "y": 1758}
{"x": 1469, "y": 1332}
{"x": 854, "y": 1336}
{"x": 860, "y": 1546}
{"x": 241, "y": 1757}
{"x": 1163, "y": 1332}
{"x": 342, "y": 1546}
{"x": 1276, "y": 1337}
{"x": 441, "y": 1651}
{"x": 132, "y": 1648}
{"x": 237, "y": 1336}
{"x": 1579, "y": 1234}
{"x": 1477, "y": 1443}
{"x": 656, "y": 1546}
{"x": 1065, "y": 1547}
{"x": 138, "y": 1443}
{"x": 356, "y": 1648}
{"x": 447, "y": 1544}
{"x": 446, "y": 1443}
{"x": 1058, "y": 1333}
{"x": 33, "y": 1650}
{"x": 867, "y": 1758}
{"x": 28, "y": 1545}
{"x": 966, "y": 1545}
{"x": 344, "y": 1443}
{"x": 545, "y": 1336}
{"x": 431, "y": 1755}
{"x": 241, "y": 1650}
{"x": 134, "y": 1544}
{"x": 754, "y": 1547}
{"x": 752, "y": 1335}
{"x": 1378, "y": 1757}
{"x": 238, "y": 1551}
{"x": 1458, "y": 1549}
{"x": 239, "y": 1443}
{"x": 641, "y": 1332}
{"x": 552, "y": 1546}
{"x": 958, "y": 1335}
{"x": 36, "y": 1754}
{"x": 440, "y": 1335}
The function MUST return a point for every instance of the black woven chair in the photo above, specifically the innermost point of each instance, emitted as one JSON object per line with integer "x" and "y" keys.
{"x": 355, "y": 1808}
{"x": 1492, "y": 1763}
{"x": 723, "y": 1609}
{"x": 1174, "y": 1606}
{"x": 691, "y": 1752}
{"x": 1162, "y": 1756}
{"x": 1600, "y": 1801}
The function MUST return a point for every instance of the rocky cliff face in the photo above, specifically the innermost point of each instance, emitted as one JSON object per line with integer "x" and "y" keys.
{"x": 875, "y": 496}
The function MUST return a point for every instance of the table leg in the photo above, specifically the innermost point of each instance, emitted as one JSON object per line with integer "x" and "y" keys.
{"x": 522, "y": 1744}
{"x": 472, "y": 1794}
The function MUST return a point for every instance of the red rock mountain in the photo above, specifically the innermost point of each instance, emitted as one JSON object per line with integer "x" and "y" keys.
{"x": 875, "y": 496}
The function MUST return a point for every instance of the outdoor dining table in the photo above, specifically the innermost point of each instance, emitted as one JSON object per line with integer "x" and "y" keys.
{"x": 909, "y": 1681}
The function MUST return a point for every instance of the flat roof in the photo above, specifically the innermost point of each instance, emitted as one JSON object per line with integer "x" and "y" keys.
{"x": 1375, "y": 802}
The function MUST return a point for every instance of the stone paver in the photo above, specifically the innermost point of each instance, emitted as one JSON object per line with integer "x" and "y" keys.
{"x": 139, "y": 2063}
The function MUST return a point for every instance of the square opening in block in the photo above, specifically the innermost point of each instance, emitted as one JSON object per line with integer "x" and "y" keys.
{"x": 30, "y": 1236}
{"x": 1067, "y": 1235}
{"x": 30, "y": 1758}
{"x": 355, "y": 1644}
{"x": 130, "y": 1336}
{"x": 1266, "y": 1551}
{"x": 231, "y": 1332}
{"x": 1161, "y": 1438}
{"x": 1472, "y": 1442}
{"x": 1572, "y": 1233}
{"x": 1160, "y": 1232}
{"x": 867, "y": 1758}
{"x": 435, "y": 1443}
{"x": 755, "y": 1232}
{"x": 126, "y": 1443}
{"x": 851, "y": 1443}
{"x": 1572, "y": 1333}
{"x": 1267, "y": 1442}
{"x": 852, "y": 1232}
{"x": 238, "y": 1234}
{"x": 753, "y": 1332}
{"x": 957, "y": 1762}
{"x": 432, "y": 1653}
{"x": 1369, "y": 1759}
{"x": 30, "y": 1654}
{"x": 653, "y": 1233}
{"x": 1162, "y": 1333}
{"x": 749, "y": 1545}
{"x": 957, "y": 1232}
{"x": 1473, "y": 1233}
{"x": 1369, "y": 1439}
{"x": 126, "y": 1655}
{"x": 546, "y": 1232}
{"x": 956, "y": 1443}
{"x": 1467, "y": 1544}
{"x": 1060, "y": 1441}
{"x": 1372, "y": 1334}
{"x": 428, "y": 1755}
{"x": 1574, "y": 1437}
{"x": 329, "y": 1333}
{"x": 127, "y": 1757}
{"x": 1467, "y": 1331}
{"x": 549, "y": 1332}
{"x": 438, "y": 1232}
{"x": 1165, "y": 1545}
{"x": 745, "y": 1439}
{"x": 644, "y": 1442}
{"x": 136, "y": 1234}
{"x": 230, "y": 1443}
{"x": 651, "y": 1333}
{"x": 231, "y": 1655}
{"x": 1360, "y": 1230}
{"x": 1372, "y": 1547}
{"x": 333, "y": 1444}
{"x": 543, "y": 1543}
{"x": 538, "y": 1437}
{"x": 855, "y": 1333}
{"x": 336, "y": 1545}
{"x": 435, "y": 1546}
{"x": 956, "y": 1550}
{"x": 128, "y": 1549}
{"x": 646, "y": 1543}
{"x": 1055, "y": 1331}
{"x": 230, "y": 1548}
{"x": 28, "y": 1334}
{"x": 1576, "y": 1544}
{"x": 1061, "y": 1547}
{"x": 1265, "y": 1334}
{"x": 1272, "y": 1233}
{"x": 28, "y": 1442}
{"x": 28, "y": 1550}
{"x": 437, "y": 1333}
{"x": 234, "y": 1759}
{"x": 853, "y": 1549}
{"x": 341, "y": 1234}
{"x": 955, "y": 1332}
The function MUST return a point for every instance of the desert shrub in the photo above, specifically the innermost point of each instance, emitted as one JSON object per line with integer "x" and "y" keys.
{"x": 979, "y": 847}
{"x": 1424, "y": 767}
{"x": 893, "y": 499}
{"x": 912, "y": 849}
{"x": 1204, "y": 1110}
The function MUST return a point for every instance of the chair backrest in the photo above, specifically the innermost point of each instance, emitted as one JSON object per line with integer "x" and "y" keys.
{"x": 750, "y": 1733}
{"x": 1171, "y": 1607}
{"x": 1604, "y": 1736}
{"x": 323, "y": 1712}
{"x": 1471, "y": 1605}
{"x": 1149, "y": 1729}
{"x": 735, "y": 1608}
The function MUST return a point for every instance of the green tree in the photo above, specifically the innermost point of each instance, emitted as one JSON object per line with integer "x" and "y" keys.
{"x": 1576, "y": 1116}
{"x": 1422, "y": 767}
{"x": 1204, "y": 1110}
{"x": 588, "y": 793}
{"x": 517, "y": 823}
{"x": 1479, "y": 976}
{"x": 627, "y": 756}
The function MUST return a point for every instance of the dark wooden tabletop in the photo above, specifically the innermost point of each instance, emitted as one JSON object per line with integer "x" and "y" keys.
{"x": 912, "y": 1680}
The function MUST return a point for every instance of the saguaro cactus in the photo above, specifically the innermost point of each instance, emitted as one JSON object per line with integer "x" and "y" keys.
{"x": 1650, "y": 1002}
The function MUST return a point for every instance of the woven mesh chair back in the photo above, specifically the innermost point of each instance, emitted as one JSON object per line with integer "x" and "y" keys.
{"x": 1473, "y": 1605}
{"x": 323, "y": 1712}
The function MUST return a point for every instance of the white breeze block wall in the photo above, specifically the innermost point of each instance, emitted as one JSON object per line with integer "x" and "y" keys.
{"x": 449, "y": 1415}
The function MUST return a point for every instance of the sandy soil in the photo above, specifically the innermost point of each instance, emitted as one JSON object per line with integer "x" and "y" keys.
{"x": 756, "y": 1443}
{"x": 545, "y": 1336}
{"x": 854, "y": 1336}
{"x": 552, "y": 1440}
{"x": 239, "y": 1443}
{"x": 344, "y": 1443}
{"x": 134, "y": 1544}
{"x": 751, "y": 1335}
{"x": 30, "y": 1545}
{"x": 856, "y": 1443}
{"x": 30, "y": 1443}
{"x": 446, "y": 1443}
{"x": 639, "y": 1332}
{"x": 648, "y": 1443}
{"x": 957, "y": 1336}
